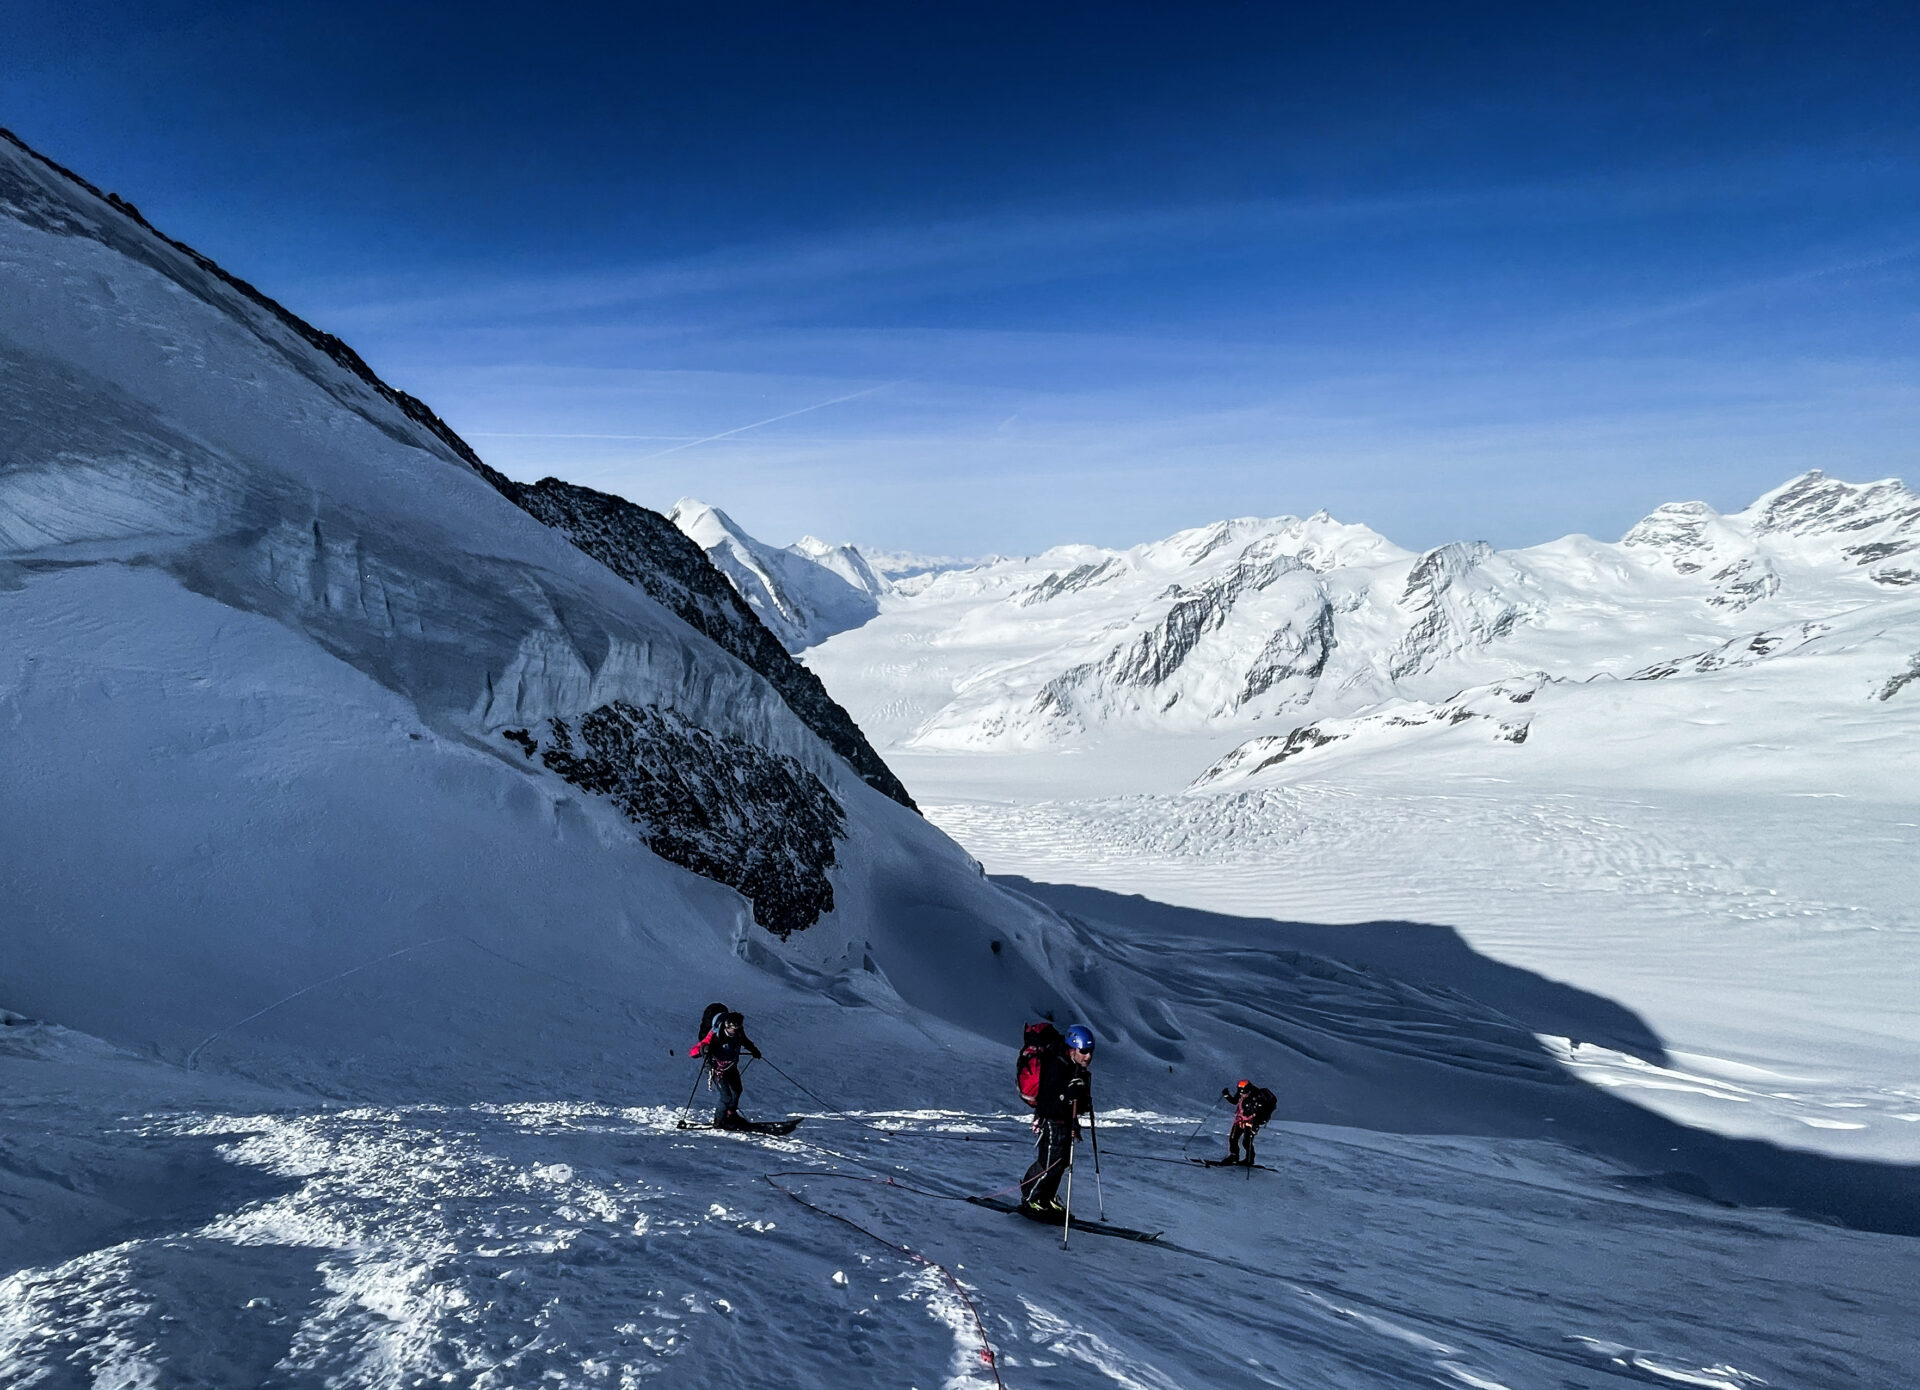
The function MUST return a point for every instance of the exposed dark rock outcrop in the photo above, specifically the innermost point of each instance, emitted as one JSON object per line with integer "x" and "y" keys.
{"x": 724, "y": 808}
{"x": 648, "y": 551}
{"x": 1075, "y": 579}
{"x": 1297, "y": 742}
{"x": 1895, "y": 684}
{"x": 1736, "y": 651}
{"x": 1291, "y": 653}
{"x": 1744, "y": 583}
{"x": 1454, "y": 607}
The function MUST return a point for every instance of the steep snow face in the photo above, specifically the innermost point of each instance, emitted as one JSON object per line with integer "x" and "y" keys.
{"x": 291, "y": 684}
{"x": 1217, "y": 630}
{"x": 845, "y": 561}
{"x": 804, "y": 595}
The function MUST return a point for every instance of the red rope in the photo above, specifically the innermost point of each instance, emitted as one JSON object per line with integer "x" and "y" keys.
{"x": 980, "y": 1327}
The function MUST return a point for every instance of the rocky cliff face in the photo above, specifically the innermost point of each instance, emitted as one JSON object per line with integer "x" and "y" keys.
{"x": 1458, "y": 600}
{"x": 646, "y": 549}
{"x": 719, "y": 805}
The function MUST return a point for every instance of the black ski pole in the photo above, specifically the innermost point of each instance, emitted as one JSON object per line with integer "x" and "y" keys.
{"x": 1099, "y": 1187}
{"x": 687, "y": 1109}
{"x": 1066, "y": 1217}
{"x": 1203, "y": 1119}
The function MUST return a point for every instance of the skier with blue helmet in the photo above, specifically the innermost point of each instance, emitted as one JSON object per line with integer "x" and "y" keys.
{"x": 1065, "y": 1094}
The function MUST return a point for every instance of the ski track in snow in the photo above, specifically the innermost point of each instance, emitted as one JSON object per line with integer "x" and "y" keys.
{"x": 573, "y": 1244}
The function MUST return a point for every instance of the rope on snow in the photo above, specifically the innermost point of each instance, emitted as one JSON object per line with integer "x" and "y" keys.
{"x": 987, "y": 1355}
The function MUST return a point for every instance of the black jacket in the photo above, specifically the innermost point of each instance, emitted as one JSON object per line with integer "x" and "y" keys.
{"x": 1254, "y": 1108}
{"x": 1066, "y": 1089}
{"x": 722, "y": 1052}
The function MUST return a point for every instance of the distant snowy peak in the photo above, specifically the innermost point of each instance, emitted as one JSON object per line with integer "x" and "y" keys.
{"x": 1811, "y": 522}
{"x": 803, "y": 595}
{"x": 1461, "y": 597}
{"x": 1239, "y": 616}
{"x": 1814, "y": 504}
{"x": 1318, "y": 542}
{"x": 1310, "y": 619}
{"x": 845, "y": 561}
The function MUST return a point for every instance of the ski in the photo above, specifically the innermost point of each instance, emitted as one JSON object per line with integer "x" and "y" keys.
{"x": 1098, "y": 1228}
{"x": 1228, "y": 1163}
{"x": 745, "y": 1126}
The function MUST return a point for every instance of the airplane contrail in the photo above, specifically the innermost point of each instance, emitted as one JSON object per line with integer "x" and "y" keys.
{"x": 770, "y": 420}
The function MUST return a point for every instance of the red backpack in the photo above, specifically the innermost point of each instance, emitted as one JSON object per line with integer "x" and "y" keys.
{"x": 1038, "y": 1040}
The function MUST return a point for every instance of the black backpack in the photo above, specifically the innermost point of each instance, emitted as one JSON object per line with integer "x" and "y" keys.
{"x": 709, "y": 1019}
{"x": 1259, "y": 1104}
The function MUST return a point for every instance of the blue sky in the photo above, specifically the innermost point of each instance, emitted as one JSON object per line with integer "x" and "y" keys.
{"x": 983, "y": 277}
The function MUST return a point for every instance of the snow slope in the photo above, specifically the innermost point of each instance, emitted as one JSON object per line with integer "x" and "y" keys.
{"x": 231, "y": 1238}
{"x": 291, "y": 686}
{"x": 804, "y": 593}
{"x": 374, "y": 832}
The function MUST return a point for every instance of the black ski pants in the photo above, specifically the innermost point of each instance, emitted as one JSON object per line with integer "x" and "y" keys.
{"x": 1053, "y": 1146}
{"x": 727, "y": 1083}
{"x": 1241, "y": 1134}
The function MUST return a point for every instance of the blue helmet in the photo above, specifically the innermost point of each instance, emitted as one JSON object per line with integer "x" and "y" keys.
{"x": 1080, "y": 1038}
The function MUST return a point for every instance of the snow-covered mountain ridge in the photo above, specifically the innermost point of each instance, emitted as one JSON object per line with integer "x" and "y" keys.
{"x": 303, "y": 684}
{"x": 1248, "y": 622}
{"x": 804, "y": 593}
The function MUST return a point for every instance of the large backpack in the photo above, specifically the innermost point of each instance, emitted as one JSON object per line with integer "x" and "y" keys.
{"x": 1259, "y": 1104}
{"x": 1036, "y": 1043}
{"x": 709, "y": 1019}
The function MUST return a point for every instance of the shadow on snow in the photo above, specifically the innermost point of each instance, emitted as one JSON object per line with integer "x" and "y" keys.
{"x": 1402, "y": 1027}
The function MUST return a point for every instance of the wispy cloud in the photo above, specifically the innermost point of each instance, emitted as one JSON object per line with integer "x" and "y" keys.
{"x": 770, "y": 420}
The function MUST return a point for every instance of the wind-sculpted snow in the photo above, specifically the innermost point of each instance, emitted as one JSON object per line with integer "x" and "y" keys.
{"x": 554, "y": 1241}
{"x": 720, "y": 806}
